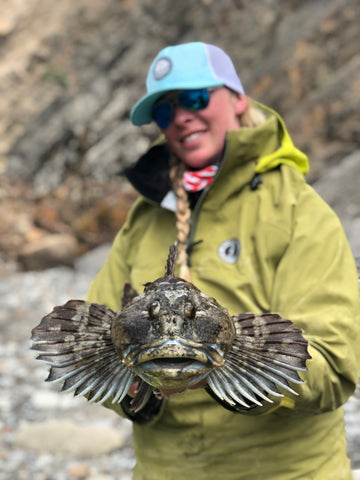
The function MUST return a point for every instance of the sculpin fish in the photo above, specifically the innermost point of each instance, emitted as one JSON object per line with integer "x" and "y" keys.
{"x": 172, "y": 336}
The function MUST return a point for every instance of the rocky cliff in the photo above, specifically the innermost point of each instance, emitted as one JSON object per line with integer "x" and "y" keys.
{"x": 71, "y": 71}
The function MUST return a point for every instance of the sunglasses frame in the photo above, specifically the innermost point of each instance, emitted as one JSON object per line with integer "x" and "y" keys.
{"x": 168, "y": 102}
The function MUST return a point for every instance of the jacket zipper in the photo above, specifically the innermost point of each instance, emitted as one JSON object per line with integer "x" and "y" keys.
{"x": 195, "y": 213}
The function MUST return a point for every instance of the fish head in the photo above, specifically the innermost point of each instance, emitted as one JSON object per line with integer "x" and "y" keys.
{"x": 172, "y": 335}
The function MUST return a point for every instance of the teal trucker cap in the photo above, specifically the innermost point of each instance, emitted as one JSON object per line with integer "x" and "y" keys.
{"x": 185, "y": 67}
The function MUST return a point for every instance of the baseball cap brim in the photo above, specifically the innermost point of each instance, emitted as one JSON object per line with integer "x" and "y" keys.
{"x": 141, "y": 113}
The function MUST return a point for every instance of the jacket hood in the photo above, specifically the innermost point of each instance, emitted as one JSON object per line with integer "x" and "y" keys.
{"x": 287, "y": 153}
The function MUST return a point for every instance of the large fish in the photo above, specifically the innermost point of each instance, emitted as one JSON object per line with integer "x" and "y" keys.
{"x": 170, "y": 337}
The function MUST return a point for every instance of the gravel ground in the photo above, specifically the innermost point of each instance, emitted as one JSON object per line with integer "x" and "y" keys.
{"x": 46, "y": 435}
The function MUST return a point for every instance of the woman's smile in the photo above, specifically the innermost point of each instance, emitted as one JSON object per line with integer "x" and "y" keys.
{"x": 191, "y": 137}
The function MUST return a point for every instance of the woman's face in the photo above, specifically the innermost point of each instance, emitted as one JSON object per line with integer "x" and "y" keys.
{"x": 198, "y": 137}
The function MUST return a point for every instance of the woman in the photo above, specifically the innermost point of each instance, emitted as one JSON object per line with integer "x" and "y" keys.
{"x": 227, "y": 181}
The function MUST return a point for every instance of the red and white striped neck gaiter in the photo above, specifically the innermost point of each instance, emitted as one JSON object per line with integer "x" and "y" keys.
{"x": 196, "y": 180}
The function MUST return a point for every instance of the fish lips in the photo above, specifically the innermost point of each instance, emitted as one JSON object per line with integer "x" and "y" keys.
{"x": 173, "y": 363}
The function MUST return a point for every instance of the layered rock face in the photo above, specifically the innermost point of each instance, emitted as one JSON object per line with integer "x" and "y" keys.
{"x": 70, "y": 73}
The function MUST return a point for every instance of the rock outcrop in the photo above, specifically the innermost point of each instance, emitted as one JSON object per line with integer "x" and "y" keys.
{"x": 71, "y": 71}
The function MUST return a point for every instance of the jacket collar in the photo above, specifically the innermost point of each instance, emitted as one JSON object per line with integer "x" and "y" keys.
{"x": 150, "y": 174}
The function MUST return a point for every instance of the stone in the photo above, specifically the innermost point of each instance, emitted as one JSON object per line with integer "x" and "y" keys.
{"x": 105, "y": 477}
{"x": 49, "y": 251}
{"x": 67, "y": 437}
{"x": 79, "y": 471}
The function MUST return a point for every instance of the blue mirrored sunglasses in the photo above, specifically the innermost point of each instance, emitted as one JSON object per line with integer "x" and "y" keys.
{"x": 164, "y": 108}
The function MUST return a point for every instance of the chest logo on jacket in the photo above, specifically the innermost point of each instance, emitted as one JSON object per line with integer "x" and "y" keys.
{"x": 229, "y": 250}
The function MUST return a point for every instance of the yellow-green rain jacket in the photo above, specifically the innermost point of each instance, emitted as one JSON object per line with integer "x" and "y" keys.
{"x": 292, "y": 258}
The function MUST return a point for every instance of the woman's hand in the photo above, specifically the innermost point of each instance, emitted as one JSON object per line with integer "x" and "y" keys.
{"x": 134, "y": 387}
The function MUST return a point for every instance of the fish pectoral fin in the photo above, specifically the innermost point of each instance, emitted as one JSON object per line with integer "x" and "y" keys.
{"x": 267, "y": 353}
{"x": 75, "y": 340}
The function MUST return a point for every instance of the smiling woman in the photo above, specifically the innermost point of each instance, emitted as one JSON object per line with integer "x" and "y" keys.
{"x": 225, "y": 180}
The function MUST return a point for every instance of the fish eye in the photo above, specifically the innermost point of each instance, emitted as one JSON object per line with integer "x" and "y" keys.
{"x": 154, "y": 309}
{"x": 189, "y": 310}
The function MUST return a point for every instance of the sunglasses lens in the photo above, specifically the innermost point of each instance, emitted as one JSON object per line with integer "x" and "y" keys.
{"x": 194, "y": 99}
{"x": 163, "y": 113}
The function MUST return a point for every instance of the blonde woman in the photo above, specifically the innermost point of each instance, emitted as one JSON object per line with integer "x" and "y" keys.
{"x": 226, "y": 180}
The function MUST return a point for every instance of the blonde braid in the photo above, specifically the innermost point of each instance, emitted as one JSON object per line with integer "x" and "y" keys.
{"x": 183, "y": 214}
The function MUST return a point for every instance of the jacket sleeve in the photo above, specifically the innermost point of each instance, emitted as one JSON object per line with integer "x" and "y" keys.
{"x": 316, "y": 286}
{"x": 107, "y": 289}
{"x": 107, "y": 286}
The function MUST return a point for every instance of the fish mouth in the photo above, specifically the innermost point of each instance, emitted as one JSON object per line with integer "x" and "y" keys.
{"x": 173, "y": 363}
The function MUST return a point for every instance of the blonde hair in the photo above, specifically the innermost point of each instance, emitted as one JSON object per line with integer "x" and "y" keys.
{"x": 251, "y": 117}
{"x": 183, "y": 215}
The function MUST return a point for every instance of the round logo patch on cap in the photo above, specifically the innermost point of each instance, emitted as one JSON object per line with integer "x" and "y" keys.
{"x": 162, "y": 68}
{"x": 229, "y": 250}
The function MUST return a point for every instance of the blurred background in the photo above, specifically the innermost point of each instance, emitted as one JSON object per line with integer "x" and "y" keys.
{"x": 70, "y": 71}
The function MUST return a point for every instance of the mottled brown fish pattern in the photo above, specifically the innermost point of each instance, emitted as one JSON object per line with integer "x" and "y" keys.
{"x": 172, "y": 336}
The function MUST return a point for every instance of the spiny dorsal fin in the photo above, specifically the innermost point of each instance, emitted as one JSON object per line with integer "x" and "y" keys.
{"x": 170, "y": 263}
{"x": 129, "y": 293}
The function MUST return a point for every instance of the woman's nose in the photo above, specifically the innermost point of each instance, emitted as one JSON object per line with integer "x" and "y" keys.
{"x": 182, "y": 115}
